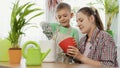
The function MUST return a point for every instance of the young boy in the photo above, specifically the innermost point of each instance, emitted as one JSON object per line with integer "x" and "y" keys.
{"x": 63, "y": 16}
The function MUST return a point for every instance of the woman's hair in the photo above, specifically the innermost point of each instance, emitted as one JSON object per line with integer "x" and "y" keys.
{"x": 63, "y": 5}
{"x": 92, "y": 11}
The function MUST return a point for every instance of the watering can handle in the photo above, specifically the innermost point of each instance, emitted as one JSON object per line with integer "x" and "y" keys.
{"x": 25, "y": 45}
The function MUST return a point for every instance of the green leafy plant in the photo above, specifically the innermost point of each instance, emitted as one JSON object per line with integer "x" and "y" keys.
{"x": 19, "y": 20}
{"x": 111, "y": 9}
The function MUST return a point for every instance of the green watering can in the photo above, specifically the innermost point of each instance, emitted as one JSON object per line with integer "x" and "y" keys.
{"x": 33, "y": 55}
{"x": 4, "y": 47}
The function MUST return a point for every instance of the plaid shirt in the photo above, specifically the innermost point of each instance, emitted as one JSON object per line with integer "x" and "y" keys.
{"x": 103, "y": 48}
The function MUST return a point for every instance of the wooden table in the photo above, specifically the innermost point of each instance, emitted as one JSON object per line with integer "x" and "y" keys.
{"x": 44, "y": 65}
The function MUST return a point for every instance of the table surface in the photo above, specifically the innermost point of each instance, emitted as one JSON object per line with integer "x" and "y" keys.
{"x": 44, "y": 65}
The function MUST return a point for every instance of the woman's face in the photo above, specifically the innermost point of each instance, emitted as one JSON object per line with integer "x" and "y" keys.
{"x": 84, "y": 22}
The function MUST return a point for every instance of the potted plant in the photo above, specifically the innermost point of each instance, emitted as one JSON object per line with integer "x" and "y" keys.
{"x": 18, "y": 21}
{"x": 111, "y": 10}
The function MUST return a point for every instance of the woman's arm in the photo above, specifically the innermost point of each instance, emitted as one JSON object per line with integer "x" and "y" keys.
{"x": 89, "y": 61}
{"x": 74, "y": 52}
{"x": 109, "y": 52}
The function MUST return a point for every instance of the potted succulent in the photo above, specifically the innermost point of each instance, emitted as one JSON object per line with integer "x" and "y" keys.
{"x": 18, "y": 21}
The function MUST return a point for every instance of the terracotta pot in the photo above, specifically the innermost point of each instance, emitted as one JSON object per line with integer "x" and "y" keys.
{"x": 15, "y": 55}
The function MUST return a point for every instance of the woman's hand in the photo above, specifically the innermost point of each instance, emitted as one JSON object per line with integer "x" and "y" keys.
{"x": 74, "y": 52}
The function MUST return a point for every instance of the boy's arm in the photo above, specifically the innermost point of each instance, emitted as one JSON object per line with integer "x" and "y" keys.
{"x": 48, "y": 28}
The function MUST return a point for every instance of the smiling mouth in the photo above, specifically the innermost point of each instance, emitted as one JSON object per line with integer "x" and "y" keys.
{"x": 63, "y": 22}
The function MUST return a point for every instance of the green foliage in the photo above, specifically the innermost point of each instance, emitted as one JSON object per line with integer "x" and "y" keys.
{"x": 18, "y": 20}
{"x": 111, "y": 8}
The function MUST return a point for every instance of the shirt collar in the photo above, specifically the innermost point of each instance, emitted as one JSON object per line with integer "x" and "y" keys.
{"x": 94, "y": 35}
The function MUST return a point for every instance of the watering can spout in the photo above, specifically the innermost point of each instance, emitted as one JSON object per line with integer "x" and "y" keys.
{"x": 44, "y": 54}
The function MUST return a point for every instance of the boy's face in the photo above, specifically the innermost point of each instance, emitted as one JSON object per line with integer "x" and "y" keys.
{"x": 63, "y": 16}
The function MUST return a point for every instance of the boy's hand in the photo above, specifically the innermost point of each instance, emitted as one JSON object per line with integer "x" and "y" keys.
{"x": 47, "y": 30}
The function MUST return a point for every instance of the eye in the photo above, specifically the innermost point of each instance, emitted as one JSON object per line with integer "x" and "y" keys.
{"x": 81, "y": 20}
{"x": 59, "y": 17}
{"x": 65, "y": 15}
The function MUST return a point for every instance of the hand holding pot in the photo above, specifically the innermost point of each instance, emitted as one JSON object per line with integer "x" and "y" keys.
{"x": 70, "y": 41}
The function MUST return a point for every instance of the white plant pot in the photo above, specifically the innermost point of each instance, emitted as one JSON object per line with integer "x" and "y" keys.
{"x": 48, "y": 44}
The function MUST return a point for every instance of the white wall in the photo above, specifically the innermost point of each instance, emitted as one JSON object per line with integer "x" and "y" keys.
{"x": 4, "y": 17}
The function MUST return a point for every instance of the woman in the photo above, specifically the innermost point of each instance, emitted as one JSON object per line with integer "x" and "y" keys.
{"x": 97, "y": 47}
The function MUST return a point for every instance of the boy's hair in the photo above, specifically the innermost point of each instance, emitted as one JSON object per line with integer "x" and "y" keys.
{"x": 63, "y": 5}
